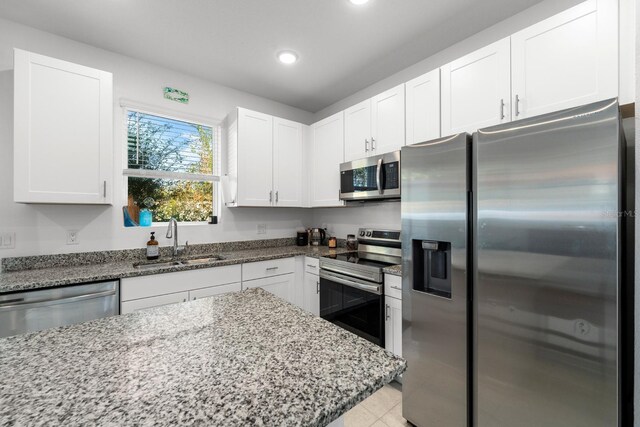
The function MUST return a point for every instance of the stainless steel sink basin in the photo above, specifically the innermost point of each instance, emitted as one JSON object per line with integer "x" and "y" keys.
{"x": 202, "y": 260}
{"x": 150, "y": 265}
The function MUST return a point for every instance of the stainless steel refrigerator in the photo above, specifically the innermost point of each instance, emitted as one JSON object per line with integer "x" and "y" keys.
{"x": 512, "y": 271}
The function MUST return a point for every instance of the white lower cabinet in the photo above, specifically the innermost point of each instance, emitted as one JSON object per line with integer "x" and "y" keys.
{"x": 280, "y": 286}
{"x": 214, "y": 290}
{"x": 393, "y": 325}
{"x": 137, "y": 293}
{"x": 311, "y": 287}
{"x": 157, "y": 301}
{"x": 393, "y": 314}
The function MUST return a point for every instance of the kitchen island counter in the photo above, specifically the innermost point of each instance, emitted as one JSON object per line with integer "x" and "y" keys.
{"x": 245, "y": 358}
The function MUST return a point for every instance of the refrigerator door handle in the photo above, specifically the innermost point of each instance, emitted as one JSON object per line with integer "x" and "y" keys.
{"x": 379, "y": 177}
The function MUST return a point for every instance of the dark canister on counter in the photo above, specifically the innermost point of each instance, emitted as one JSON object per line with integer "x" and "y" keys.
{"x": 302, "y": 238}
{"x": 352, "y": 242}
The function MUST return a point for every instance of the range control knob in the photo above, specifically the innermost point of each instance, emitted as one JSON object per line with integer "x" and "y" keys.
{"x": 368, "y": 234}
{"x": 362, "y": 233}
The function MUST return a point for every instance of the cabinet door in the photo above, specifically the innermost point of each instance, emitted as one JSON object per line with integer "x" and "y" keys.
{"x": 387, "y": 123}
{"x": 280, "y": 286}
{"x": 423, "y": 108}
{"x": 157, "y": 301}
{"x": 287, "y": 163}
{"x": 214, "y": 290}
{"x": 567, "y": 60}
{"x": 312, "y": 293}
{"x": 63, "y": 131}
{"x": 357, "y": 131}
{"x": 255, "y": 158}
{"x": 326, "y": 156}
{"x": 393, "y": 325}
{"x": 476, "y": 89}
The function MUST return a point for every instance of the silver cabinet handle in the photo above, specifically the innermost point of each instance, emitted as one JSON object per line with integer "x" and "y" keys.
{"x": 277, "y": 196}
{"x": 517, "y": 107}
{"x": 366, "y": 145}
{"x": 379, "y": 177}
{"x": 270, "y": 196}
{"x": 311, "y": 266}
{"x": 373, "y": 147}
{"x": 317, "y": 286}
{"x": 271, "y": 268}
{"x": 185, "y": 300}
{"x": 396, "y": 288}
{"x": 104, "y": 189}
{"x": 386, "y": 312}
{"x": 502, "y": 109}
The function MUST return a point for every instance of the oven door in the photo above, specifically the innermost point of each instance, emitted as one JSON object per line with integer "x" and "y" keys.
{"x": 376, "y": 177}
{"x": 353, "y": 304}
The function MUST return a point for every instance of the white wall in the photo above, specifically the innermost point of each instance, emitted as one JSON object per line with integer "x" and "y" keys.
{"x": 347, "y": 220}
{"x": 41, "y": 229}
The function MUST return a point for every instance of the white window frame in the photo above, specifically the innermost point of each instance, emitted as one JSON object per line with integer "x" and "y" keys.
{"x": 214, "y": 124}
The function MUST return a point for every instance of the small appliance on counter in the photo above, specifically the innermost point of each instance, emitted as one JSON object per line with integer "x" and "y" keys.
{"x": 318, "y": 236}
{"x": 352, "y": 242}
{"x": 302, "y": 238}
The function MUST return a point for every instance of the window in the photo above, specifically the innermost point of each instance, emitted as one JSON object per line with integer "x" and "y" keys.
{"x": 172, "y": 167}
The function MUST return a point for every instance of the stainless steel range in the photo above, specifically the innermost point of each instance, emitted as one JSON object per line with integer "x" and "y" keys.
{"x": 352, "y": 283}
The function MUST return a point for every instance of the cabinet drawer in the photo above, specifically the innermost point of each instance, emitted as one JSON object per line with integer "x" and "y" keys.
{"x": 214, "y": 290}
{"x": 311, "y": 265}
{"x": 274, "y": 267}
{"x": 167, "y": 283}
{"x": 157, "y": 301}
{"x": 280, "y": 286}
{"x": 393, "y": 286}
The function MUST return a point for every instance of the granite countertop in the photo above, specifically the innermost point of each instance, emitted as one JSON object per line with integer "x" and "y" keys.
{"x": 396, "y": 270}
{"x": 35, "y": 278}
{"x": 244, "y": 358}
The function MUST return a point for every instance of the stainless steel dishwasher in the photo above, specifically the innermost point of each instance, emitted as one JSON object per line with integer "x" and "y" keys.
{"x": 35, "y": 310}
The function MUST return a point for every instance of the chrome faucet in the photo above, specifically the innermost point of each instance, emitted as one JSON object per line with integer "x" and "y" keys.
{"x": 172, "y": 233}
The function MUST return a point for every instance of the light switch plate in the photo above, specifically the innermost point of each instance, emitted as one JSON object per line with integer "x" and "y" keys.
{"x": 8, "y": 241}
{"x": 262, "y": 228}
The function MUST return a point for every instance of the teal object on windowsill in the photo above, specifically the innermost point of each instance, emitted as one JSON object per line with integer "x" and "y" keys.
{"x": 145, "y": 218}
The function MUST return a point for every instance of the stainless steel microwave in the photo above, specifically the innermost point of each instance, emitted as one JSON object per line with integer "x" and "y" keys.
{"x": 375, "y": 177}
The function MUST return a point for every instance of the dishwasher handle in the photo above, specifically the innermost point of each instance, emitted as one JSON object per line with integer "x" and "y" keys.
{"x": 20, "y": 303}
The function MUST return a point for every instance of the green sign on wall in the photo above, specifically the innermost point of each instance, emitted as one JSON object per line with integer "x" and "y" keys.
{"x": 176, "y": 95}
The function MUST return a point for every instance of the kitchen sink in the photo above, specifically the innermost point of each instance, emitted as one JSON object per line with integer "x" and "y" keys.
{"x": 149, "y": 265}
{"x": 152, "y": 265}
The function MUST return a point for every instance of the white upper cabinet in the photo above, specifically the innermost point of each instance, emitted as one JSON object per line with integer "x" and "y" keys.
{"x": 63, "y": 131}
{"x": 287, "y": 163}
{"x": 423, "y": 108}
{"x": 357, "y": 131}
{"x": 326, "y": 156}
{"x": 265, "y": 157}
{"x": 476, "y": 89}
{"x": 387, "y": 120}
{"x": 375, "y": 126}
{"x": 567, "y": 60}
{"x": 255, "y": 158}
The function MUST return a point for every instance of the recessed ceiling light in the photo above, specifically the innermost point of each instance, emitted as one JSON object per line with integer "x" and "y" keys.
{"x": 287, "y": 57}
{"x": 358, "y": 2}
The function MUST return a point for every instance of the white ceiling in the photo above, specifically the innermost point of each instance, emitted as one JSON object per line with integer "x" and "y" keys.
{"x": 343, "y": 48}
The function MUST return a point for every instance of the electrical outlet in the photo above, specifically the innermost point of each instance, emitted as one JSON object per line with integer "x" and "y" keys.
{"x": 262, "y": 228}
{"x": 7, "y": 241}
{"x": 72, "y": 237}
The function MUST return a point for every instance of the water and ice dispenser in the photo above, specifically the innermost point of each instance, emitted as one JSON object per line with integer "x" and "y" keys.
{"x": 432, "y": 267}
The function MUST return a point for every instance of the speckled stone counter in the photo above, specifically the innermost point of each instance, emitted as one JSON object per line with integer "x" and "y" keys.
{"x": 245, "y": 358}
{"x": 35, "y": 278}
{"x": 396, "y": 270}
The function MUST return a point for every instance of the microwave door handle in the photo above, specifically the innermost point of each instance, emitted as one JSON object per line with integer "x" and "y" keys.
{"x": 379, "y": 177}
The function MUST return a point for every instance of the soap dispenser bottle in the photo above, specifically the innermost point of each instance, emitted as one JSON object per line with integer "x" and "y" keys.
{"x": 153, "y": 250}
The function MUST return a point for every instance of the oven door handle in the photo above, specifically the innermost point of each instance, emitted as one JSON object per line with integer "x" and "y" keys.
{"x": 379, "y": 176}
{"x": 354, "y": 283}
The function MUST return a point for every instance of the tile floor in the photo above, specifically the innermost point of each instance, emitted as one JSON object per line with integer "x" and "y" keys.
{"x": 381, "y": 409}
